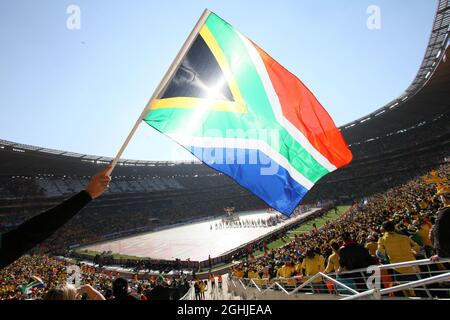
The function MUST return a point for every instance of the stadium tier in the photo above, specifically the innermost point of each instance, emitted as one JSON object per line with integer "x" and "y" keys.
{"x": 139, "y": 198}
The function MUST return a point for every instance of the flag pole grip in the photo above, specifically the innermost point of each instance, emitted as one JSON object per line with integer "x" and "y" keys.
{"x": 162, "y": 84}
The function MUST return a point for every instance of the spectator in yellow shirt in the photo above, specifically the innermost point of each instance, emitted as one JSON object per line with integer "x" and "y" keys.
{"x": 202, "y": 286}
{"x": 424, "y": 234}
{"x": 252, "y": 274}
{"x": 311, "y": 265}
{"x": 333, "y": 259}
{"x": 238, "y": 273}
{"x": 286, "y": 271}
{"x": 423, "y": 204}
{"x": 298, "y": 266}
{"x": 372, "y": 245}
{"x": 399, "y": 248}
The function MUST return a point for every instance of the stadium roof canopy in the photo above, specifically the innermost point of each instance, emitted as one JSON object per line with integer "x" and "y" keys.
{"x": 19, "y": 147}
{"x": 424, "y": 100}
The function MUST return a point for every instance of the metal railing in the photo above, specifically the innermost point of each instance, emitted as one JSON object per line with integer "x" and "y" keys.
{"x": 374, "y": 282}
{"x": 377, "y": 293}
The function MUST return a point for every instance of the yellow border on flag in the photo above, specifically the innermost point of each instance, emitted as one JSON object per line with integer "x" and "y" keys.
{"x": 237, "y": 105}
{"x": 188, "y": 102}
{"x": 223, "y": 63}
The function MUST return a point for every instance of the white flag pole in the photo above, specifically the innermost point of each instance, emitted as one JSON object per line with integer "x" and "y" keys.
{"x": 163, "y": 83}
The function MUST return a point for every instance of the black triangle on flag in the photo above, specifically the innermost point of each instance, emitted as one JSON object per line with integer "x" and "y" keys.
{"x": 199, "y": 76}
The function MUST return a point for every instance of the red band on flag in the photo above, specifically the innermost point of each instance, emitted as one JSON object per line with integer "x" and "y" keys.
{"x": 304, "y": 111}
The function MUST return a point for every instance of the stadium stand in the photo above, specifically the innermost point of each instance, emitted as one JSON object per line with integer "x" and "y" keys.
{"x": 411, "y": 208}
{"x": 17, "y": 281}
{"x": 152, "y": 193}
{"x": 392, "y": 147}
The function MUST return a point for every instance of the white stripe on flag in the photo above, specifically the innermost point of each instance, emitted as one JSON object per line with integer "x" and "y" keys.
{"x": 255, "y": 144}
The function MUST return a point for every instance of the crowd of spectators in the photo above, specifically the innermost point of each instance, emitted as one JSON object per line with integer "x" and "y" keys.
{"x": 393, "y": 226}
{"x": 32, "y": 277}
{"x": 388, "y": 227}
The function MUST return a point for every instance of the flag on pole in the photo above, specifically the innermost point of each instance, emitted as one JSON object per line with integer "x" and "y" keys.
{"x": 35, "y": 283}
{"x": 242, "y": 113}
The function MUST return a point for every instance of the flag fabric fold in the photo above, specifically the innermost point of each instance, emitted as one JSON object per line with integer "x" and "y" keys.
{"x": 243, "y": 114}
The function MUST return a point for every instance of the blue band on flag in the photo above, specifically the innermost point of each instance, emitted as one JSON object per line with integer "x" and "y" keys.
{"x": 255, "y": 171}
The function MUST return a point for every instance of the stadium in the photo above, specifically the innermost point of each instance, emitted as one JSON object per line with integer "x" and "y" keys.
{"x": 166, "y": 221}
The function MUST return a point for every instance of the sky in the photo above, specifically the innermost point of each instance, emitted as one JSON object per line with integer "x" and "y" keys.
{"x": 82, "y": 89}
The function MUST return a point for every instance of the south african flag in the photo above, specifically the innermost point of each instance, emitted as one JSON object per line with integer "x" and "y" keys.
{"x": 243, "y": 114}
